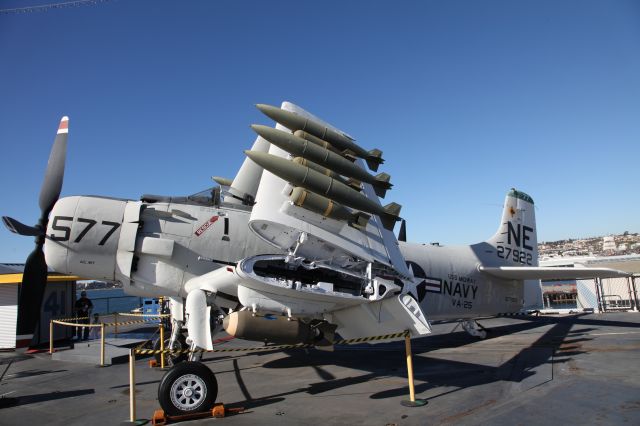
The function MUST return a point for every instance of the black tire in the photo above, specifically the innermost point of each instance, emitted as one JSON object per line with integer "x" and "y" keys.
{"x": 172, "y": 359}
{"x": 189, "y": 387}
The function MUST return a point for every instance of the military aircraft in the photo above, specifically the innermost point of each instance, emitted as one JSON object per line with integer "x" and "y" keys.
{"x": 297, "y": 248}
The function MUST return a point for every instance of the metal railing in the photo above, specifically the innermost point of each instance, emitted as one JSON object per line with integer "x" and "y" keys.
{"x": 73, "y": 322}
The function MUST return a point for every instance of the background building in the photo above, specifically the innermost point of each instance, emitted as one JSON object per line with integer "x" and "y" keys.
{"x": 58, "y": 302}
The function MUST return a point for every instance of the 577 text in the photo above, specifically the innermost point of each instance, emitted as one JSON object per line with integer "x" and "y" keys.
{"x": 58, "y": 225}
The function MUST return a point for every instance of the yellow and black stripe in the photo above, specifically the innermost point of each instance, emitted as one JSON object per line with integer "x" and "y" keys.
{"x": 272, "y": 348}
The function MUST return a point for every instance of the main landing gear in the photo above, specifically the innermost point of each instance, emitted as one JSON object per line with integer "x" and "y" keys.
{"x": 189, "y": 387}
{"x": 179, "y": 343}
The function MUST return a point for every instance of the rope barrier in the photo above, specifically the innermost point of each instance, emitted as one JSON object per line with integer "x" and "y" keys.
{"x": 145, "y": 315}
{"x": 113, "y": 324}
{"x": 106, "y": 324}
{"x": 138, "y": 351}
{"x": 71, "y": 319}
{"x": 74, "y": 324}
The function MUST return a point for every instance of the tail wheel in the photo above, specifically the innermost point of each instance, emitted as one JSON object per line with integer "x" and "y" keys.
{"x": 172, "y": 359}
{"x": 189, "y": 387}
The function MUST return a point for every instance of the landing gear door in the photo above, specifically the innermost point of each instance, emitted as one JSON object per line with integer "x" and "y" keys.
{"x": 387, "y": 316}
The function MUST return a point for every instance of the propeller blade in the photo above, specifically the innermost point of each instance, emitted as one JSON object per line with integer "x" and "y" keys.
{"x": 34, "y": 281}
{"x": 402, "y": 234}
{"x": 52, "y": 184}
{"x": 20, "y": 228}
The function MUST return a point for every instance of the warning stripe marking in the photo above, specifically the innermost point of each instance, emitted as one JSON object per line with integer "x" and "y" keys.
{"x": 71, "y": 319}
{"x": 270, "y": 348}
{"x": 106, "y": 324}
{"x": 145, "y": 315}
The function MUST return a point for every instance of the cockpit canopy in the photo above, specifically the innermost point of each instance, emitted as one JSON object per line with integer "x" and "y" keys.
{"x": 209, "y": 197}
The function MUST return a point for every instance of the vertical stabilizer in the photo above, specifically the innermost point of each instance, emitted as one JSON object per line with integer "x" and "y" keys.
{"x": 248, "y": 178}
{"x": 516, "y": 240}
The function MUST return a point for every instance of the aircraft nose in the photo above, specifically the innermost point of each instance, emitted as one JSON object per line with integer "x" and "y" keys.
{"x": 82, "y": 236}
{"x": 58, "y": 233}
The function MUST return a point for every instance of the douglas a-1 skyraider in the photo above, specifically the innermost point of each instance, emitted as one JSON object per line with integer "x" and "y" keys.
{"x": 297, "y": 248}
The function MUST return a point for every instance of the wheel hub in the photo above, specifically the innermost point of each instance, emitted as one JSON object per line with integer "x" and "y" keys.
{"x": 188, "y": 392}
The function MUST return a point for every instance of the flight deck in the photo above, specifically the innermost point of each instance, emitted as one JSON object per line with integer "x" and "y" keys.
{"x": 571, "y": 369}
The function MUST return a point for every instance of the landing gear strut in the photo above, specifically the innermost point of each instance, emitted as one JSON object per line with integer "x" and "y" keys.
{"x": 178, "y": 344}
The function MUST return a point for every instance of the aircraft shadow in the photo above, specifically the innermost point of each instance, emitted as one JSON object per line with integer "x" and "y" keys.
{"x": 431, "y": 372}
{"x": 32, "y": 373}
{"x": 42, "y": 397}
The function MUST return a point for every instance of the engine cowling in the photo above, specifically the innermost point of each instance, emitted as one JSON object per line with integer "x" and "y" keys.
{"x": 84, "y": 235}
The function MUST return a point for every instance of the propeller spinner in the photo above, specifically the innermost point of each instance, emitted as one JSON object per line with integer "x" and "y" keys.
{"x": 34, "y": 278}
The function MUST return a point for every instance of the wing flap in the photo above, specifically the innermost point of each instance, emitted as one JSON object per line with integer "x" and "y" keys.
{"x": 549, "y": 273}
{"x": 386, "y": 316}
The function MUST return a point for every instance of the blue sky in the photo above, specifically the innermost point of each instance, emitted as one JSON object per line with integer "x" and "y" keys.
{"x": 465, "y": 98}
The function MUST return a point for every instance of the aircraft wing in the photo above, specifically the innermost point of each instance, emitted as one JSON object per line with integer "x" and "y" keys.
{"x": 316, "y": 235}
{"x": 549, "y": 273}
{"x": 317, "y": 202}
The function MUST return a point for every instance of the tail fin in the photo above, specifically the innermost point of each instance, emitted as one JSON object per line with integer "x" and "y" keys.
{"x": 382, "y": 184}
{"x": 402, "y": 235}
{"x": 374, "y": 159}
{"x": 516, "y": 240}
{"x": 391, "y": 216}
{"x": 360, "y": 220}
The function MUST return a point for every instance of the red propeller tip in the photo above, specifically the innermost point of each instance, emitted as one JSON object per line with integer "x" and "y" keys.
{"x": 64, "y": 125}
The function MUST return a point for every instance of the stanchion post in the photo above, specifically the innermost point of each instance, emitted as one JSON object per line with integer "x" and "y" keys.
{"x": 102, "y": 345}
{"x": 50, "y": 337}
{"x": 161, "y": 345}
{"x": 407, "y": 347}
{"x": 412, "y": 392}
{"x": 132, "y": 385}
{"x": 115, "y": 324}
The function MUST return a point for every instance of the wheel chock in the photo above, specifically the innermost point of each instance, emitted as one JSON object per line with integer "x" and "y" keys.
{"x": 158, "y": 418}
{"x": 219, "y": 411}
{"x": 153, "y": 363}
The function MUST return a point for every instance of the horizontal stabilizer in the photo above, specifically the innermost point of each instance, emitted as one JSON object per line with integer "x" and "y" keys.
{"x": 20, "y": 228}
{"x": 550, "y": 273}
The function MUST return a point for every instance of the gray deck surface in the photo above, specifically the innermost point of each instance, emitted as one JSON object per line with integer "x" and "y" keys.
{"x": 547, "y": 370}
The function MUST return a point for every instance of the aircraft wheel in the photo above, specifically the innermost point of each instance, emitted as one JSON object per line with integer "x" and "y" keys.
{"x": 172, "y": 359}
{"x": 189, "y": 387}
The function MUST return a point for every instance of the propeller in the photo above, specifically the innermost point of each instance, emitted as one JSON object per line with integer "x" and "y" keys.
{"x": 34, "y": 278}
{"x": 402, "y": 234}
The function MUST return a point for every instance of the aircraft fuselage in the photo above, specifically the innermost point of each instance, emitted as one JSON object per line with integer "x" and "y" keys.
{"x": 154, "y": 248}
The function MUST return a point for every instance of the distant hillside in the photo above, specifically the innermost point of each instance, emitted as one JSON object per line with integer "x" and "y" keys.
{"x": 625, "y": 243}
